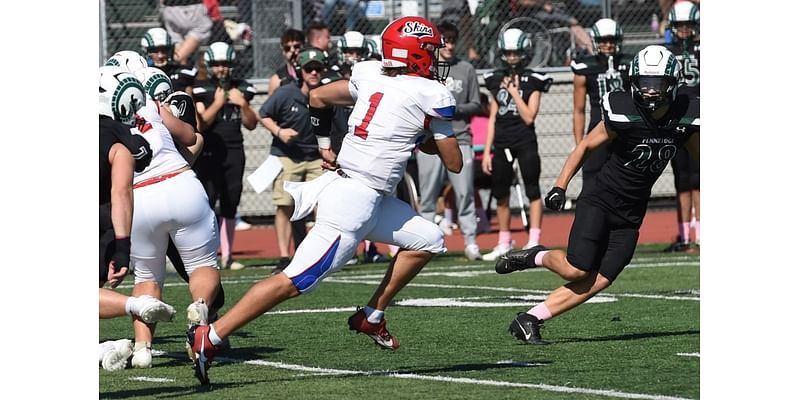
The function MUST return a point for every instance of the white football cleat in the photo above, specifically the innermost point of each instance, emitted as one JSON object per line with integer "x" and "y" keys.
{"x": 498, "y": 251}
{"x": 472, "y": 252}
{"x": 197, "y": 312}
{"x": 154, "y": 310}
{"x": 142, "y": 355}
{"x": 116, "y": 356}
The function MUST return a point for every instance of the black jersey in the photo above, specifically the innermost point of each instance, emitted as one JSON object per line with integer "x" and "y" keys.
{"x": 182, "y": 76}
{"x": 228, "y": 123}
{"x": 640, "y": 152}
{"x": 688, "y": 55}
{"x": 509, "y": 127}
{"x": 602, "y": 77}
{"x": 112, "y": 132}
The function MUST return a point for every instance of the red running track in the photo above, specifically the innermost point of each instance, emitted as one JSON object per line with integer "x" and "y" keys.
{"x": 659, "y": 226}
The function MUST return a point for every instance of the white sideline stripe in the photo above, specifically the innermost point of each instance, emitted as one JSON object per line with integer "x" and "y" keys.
{"x": 483, "y": 270}
{"x": 508, "y": 289}
{"x": 439, "y": 378}
{"x": 688, "y": 354}
{"x": 149, "y": 379}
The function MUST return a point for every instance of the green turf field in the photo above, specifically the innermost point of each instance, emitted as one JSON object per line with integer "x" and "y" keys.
{"x": 638, "y": 340}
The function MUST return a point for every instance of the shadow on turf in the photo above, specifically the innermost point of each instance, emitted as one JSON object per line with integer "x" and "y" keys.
{"x": 633, "y": 336}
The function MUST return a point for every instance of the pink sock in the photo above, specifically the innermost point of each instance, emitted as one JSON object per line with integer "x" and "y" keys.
{"x": 537, "y": 260}
{"x": 226, "y": 231}
{"x": 697, "y": 231}
{"x": 504, "y": 238}
{"x": 533, "y": 235}
{"x": 684, "y": 232}
{"x": 541, "y": 312}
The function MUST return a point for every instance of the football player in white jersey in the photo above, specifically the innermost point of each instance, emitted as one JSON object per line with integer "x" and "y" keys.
{"x": 169, "y": 203}
{"x": 397, "y": 107}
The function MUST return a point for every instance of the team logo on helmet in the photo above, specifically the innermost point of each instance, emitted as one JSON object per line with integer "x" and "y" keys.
{"x": 418, "y": 29}
{"x": 126, "y": 99}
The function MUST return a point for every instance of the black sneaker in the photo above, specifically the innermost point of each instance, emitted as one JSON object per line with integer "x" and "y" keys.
{"x": 526, "y": 328}
{"x": 517, "y": 260}
{"x": 677, "y": 247}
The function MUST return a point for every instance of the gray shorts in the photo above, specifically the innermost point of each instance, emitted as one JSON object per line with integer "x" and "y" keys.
{"x": 191, "y": 20}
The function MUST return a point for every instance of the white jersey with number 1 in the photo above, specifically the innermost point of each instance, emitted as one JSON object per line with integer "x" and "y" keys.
{"x": 390, "y": 118}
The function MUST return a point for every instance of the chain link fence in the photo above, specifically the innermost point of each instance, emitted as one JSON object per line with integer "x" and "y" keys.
{"x": 557, "y": 29}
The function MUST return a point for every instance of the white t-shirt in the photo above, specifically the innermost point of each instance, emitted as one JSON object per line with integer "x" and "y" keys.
{"x": 390, "y": 118}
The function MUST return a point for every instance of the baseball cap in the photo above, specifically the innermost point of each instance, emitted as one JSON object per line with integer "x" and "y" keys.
{"x": 310, "y": 54}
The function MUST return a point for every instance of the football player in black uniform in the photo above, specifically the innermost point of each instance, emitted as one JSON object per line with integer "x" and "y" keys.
{"x": 223, "y": 107}
{"x": 516, "y": 91}
{"x": 159, "y": 50}
{"x": 684, "y": 21}
{"x": 644, "y": 128}
{"x": 596, "y": 75}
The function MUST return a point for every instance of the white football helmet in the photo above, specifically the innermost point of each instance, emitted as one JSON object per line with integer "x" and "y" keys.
{"x": 219, "y": 52}
{"x": 157, "y": 38}
{"x": 605, "y": 28}
{"x": 654, "y": 73}
{"x": 684, "y": 12}
{"x": 129, "y": 60}
{"x": 515, "y": 39}
{"x": 121, "y": 94}
{"x": 156, "y": 83}
{"x": 354, "y": 42}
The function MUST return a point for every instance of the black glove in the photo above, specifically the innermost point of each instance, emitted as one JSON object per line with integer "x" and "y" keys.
{"x": 122, "y": 254}
{"x": 555, "y": 199}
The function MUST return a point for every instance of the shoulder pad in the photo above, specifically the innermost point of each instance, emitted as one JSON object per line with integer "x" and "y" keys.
{"x": 619, "y": 107}
{"x": 182, "y": 106}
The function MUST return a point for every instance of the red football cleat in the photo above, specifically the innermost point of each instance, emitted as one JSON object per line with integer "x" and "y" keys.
{"x": 204, "y": 351}
{"x": 358, "y": 322}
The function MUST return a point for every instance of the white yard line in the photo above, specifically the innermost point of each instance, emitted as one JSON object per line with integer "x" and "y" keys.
{"x": 441, "y": 378}
{"x": 149, "y": 379}
{"x": 688, "y": 354}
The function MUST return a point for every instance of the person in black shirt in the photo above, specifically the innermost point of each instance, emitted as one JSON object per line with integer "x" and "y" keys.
{"x": 223, "y": 107}
{"x": 644, "y": 129}
{"x": 158, "y": 47}
{"x": 595, "y": 75}
{"x": 516, "y": 92}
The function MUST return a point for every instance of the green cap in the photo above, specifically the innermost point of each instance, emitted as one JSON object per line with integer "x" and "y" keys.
{"x": 310, "y": 54}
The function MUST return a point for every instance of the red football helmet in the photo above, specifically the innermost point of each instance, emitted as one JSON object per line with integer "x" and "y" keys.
{"x": 413, "y": 42}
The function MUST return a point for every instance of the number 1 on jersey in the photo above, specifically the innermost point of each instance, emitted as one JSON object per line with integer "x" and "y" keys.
{"x": 361, "y": 130}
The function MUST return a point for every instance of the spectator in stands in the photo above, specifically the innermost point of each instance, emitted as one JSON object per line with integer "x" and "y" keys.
{"x": 516, "y": 92}
{"x": 353, "y": 9}
{"x": 462, "y": 82}
{"x": 292, "y": 40}
{"x": 318, "y": 35}
{"x": 684, "y": 23}
{"x": 157, "y": 45}
{"x": 285, "y": 115}
{"x": 594, "y": 76}
{"x": 188, "y": 24}
{"x": 223, "y": 108}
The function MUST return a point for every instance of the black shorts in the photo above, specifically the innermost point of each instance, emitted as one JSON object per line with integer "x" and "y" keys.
{"x": 686, "y": 171}
{"x": 600, "y": 241}
{"x": 221, "y": 170}
{"x": 530, "y": 166}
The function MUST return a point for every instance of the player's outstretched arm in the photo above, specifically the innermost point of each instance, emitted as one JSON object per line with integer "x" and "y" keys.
{"x": 332, "y": 94}
{"x": 450, "y": 154}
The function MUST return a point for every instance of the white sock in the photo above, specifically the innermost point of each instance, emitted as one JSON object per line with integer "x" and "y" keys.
{"x": 448, "y": 215}
{"x": 131, "y": 306}
{"x": 212, "y": 335}
{"x": 373, "y": 316}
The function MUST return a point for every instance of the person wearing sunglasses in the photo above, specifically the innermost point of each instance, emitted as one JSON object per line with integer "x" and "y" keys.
{"x": 291, "y": 42}
{"x": 285, "y": 114}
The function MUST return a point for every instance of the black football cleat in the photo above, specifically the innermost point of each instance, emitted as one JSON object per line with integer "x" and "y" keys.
{"x": 517, "y": 260}
{"x": 526, "y": 328}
